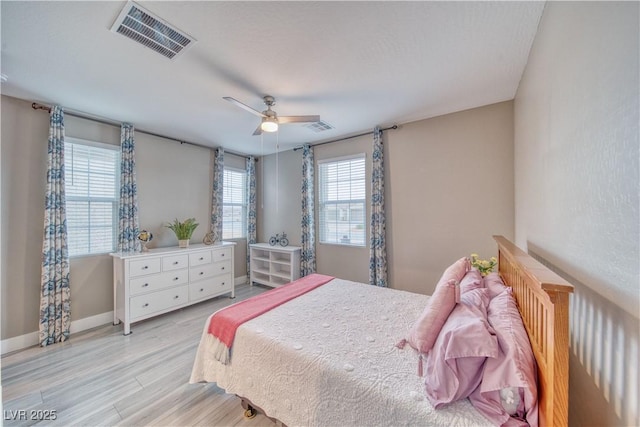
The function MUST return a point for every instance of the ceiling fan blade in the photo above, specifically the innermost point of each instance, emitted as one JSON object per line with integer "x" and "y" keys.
{"x": 298, "y": 119}
{"x": 258, "y": 130}
{"x": 243, "y": 106}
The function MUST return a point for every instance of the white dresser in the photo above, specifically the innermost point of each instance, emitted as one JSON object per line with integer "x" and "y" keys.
{"x": 164, "y": 279}
{"x": 274, "y": 265}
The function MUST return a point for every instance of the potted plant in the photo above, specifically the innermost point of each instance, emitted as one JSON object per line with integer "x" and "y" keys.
{"x": 183, "y": 230}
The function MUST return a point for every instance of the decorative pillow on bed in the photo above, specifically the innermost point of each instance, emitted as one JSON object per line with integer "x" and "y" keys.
{"x": 472, "y": 280}
{"x": 508, "y": 391}
{"x": 453, "y": 369}
{"x": 494, "y": 283}
{"x": 425, "y": 330}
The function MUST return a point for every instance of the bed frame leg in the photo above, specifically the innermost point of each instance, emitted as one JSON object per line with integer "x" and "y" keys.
{"x": 250, "y": 412}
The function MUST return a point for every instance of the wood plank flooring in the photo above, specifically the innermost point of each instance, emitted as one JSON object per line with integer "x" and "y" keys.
{"x": 102, "y": 378}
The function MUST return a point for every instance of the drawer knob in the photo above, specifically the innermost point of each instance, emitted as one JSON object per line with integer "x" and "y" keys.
{"x": 222, "y": 268}
{"x": 175, "y": 278}
{"x": 221, "y": 254}
{"x": 145, "y": 285}
{"x": 176, "y": 297}
{"x": 201, "y": 258}
{"x": 222, "y": 284}
{"x": 201, "y": 273}
{"x": 146, "y": 305}
{"x": 145, "y": 267}
{"x": 175, "y": 262}
{"x": 201, "y": 289}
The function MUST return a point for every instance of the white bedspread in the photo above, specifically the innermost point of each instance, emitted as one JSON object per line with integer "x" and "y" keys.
{"x": 328, "y": 358}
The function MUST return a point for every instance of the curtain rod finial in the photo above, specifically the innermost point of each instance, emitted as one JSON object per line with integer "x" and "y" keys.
{"x": 37, "y": 106}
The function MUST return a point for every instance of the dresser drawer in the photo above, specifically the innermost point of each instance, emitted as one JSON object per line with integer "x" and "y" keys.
{"x": 144, "y": 266}
{"x": 175, "y": 262}
{"x": 209, "y": 270}
{"x": 213, "y": 286}
{"x": 200, "y": 258}
{"x": 159, "y": 281}
{"x": 222, "y": 254}
{"x": 143, "y": 305}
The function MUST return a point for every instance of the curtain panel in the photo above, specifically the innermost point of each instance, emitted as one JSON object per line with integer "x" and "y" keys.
{"x": 308, "y": 252}
{"x": 217, "y": 194}
{"x": 55, "y": 307}
{"x": 378, "y": 245}
{"x": 251, "y": 207}
{"x": 128, "y": 224}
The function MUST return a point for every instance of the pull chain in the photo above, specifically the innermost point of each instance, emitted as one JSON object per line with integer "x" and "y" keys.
{"x": 262, "y": 171}
{"x": 277, "y": 172}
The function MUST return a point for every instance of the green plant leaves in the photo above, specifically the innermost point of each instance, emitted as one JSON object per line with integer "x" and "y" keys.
{"x": 183, "y": 229}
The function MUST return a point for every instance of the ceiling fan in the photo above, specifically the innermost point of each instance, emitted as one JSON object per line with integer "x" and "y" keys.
{"x": 269, "y": 119}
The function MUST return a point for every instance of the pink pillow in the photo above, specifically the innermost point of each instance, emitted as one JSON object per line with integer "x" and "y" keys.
{"x": 425, "y": 330}
{"x": 494, "y": 283}
{"x": 453, "y": 369}
{"x": 511, "y": 378}
{"x": 472, "y": 280}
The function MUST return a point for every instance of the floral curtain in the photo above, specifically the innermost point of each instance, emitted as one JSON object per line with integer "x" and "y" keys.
{"x": 251, "y": 206}
{"x": 216, "y": 197}
{"x": 55, "y": 308}
{"x": 308, "y": 252}
{"x": 378, "y": 246}
{"x": 128, "y": 225}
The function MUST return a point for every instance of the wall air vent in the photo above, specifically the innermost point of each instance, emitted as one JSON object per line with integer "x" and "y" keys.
{"x": 143, "y": 27}
{"x": 320, "y": 126}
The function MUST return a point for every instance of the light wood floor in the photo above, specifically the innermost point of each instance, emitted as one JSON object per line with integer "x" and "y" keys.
{"x": 100, "y": 377}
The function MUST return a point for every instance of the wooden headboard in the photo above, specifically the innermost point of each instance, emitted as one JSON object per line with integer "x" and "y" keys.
{"x": 543, "y": 301}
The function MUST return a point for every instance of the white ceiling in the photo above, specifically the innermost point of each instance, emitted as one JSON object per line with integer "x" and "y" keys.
{"x": 356, "y": 64}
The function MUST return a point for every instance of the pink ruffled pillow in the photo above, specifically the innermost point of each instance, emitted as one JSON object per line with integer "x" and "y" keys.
{"x": 494, "y": 283}
{"x": 508, "y": 392}
{"x": 425, "y": 330}
{"x": 472, "y": 280}
{"x": 453, "y": 369}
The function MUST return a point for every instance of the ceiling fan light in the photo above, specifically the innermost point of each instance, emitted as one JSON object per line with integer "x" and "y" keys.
{"x": 269, "y": 124}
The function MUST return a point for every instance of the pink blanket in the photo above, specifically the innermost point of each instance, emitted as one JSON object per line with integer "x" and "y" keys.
{"x": 223, "y": 324}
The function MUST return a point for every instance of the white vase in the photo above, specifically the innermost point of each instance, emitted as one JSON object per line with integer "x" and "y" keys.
{"x": 183, "y": 243}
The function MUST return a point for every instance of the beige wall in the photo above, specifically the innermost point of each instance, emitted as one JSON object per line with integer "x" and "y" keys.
{"x": 279, "y": 211}
{"x": 577, "y": 183}
{"x": 449, "y": 188}
{"x": 174, "y": 181}
{"x": 24, "y": 166}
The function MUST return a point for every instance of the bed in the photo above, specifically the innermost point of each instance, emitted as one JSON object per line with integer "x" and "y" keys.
{"x": 329, "y": 357}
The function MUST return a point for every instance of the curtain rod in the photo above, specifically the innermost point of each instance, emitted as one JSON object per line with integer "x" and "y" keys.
{"x": 347, "y": 137}
{"x": 37, "y": 106}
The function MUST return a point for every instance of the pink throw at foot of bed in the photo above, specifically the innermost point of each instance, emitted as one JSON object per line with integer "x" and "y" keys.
{"x": 224, "y": 322}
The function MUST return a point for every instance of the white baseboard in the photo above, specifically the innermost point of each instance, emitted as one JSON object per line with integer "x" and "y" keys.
{"x": 31, "y": 339}
{"x": 91, "y": 322}
{"x": 18, "y": 343}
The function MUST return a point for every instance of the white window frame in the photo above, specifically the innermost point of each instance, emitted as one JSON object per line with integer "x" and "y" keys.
{"x": 115, "y": 201}
{"x": 323, "y": 203}
{"x": 243, "y": 205}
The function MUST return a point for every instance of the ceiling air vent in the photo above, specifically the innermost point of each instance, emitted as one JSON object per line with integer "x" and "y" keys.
{"x": 142, "y": 26}
{"x": 320, "y": 126}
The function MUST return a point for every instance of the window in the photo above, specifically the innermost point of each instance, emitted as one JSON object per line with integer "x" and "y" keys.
{"x": 234, "y": 204}
{"x": 92, "y": 173}
{"x": 342, "y": 200}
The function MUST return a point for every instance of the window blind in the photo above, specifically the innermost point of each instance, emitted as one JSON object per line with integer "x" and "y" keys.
{"x": 92, "y": 194}
{"x": 234, "y": 204}
{"x": 342, "y": 195}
